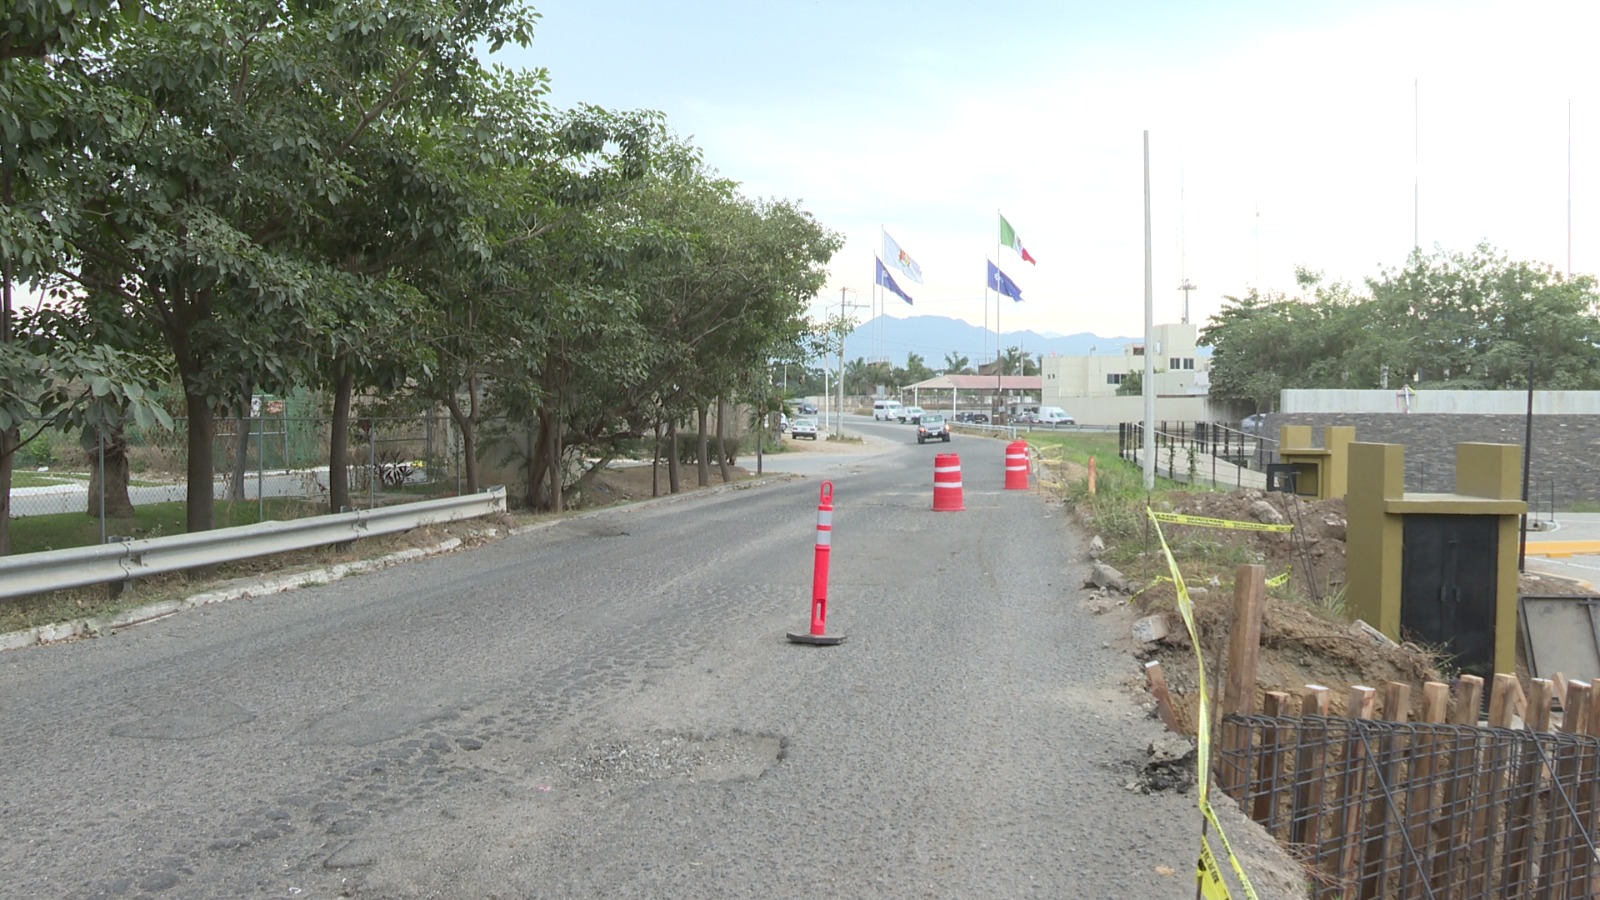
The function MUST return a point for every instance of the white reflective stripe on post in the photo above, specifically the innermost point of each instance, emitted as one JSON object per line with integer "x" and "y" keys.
{"x": 1016, "y": 468}
{"x": 824, "y": 538}
{"x": 824, "y": 518}
{"x": 946, "y": 484}
{"x": 938, "y": 469}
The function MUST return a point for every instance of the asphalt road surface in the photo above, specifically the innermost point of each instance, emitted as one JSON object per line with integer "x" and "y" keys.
{"x": 608, "y": 708}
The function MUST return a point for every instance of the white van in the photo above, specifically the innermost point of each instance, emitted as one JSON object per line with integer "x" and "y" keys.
{"x": 886, "y": 410}
{"x": 1055, "y": 415}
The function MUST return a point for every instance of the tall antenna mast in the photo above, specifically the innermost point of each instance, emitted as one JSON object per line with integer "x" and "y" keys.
{"x": 1416, "y": 164}
{"x": 1183, "y": 248}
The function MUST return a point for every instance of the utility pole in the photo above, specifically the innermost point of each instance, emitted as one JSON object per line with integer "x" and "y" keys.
{"x": 842, "y": 307}
{"x": 1186, "y": 287}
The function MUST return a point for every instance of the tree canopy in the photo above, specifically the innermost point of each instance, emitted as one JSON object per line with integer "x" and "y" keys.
{"x": 1445, "y": 320}
{"x": 345, "y": 196}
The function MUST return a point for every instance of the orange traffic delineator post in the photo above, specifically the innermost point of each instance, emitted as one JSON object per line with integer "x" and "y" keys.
{"x": 819, "y": 576}
{"x": 947, "y": 496}
{"x": 1091, "y": 476}
{"x": 1017, "y": 466}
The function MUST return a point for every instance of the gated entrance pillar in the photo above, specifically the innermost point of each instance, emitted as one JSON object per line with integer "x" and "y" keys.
{"x": 1440, "y": 568}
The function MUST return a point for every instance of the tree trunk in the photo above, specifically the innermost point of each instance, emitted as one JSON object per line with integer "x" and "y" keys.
{"x": 722, "y": 439}
{"x": 674, "y": 475}
{"x": 530, "y": 495}
{"x": 469, "y": 454}
{"x": 201, "y": 469}
{"x": 241, "y": 444}
{"x": 114, "y": 480}
{"x": 466, "y": 422}
{"x": 703, "y": 464}
{"x": 9, "y": 438}
{"x": 539, "y": 463}
{"x": 655, "y": 465}
{"x": 553, "y": 441}
{"x": 344, "y": 379}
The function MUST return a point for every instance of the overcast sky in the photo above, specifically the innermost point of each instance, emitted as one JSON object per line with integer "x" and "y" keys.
{"x": 1280, "y": 134}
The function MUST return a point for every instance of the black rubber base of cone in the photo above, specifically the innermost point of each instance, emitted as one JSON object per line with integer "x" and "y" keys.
{"x": 821, "y": 640}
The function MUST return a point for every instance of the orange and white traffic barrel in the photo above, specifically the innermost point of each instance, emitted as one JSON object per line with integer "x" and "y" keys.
{"x": 947, "y": 496}
{"x": 1017, "y": 466}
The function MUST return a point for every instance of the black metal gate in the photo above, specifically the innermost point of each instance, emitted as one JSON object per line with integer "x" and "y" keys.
{"x": 1448, "y": 575}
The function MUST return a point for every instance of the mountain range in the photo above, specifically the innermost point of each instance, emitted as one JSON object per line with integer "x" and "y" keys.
{"x": 933, "y": 337}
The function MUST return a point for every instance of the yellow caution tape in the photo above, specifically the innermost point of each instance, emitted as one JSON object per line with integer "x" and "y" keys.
{"x": 1279, "y": 580}
{"x": 1181, "y": 519}
{"x": 1202, "y": 716}
{"x": 1212, "y": 886}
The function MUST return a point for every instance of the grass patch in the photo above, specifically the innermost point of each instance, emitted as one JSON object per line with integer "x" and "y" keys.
{"x": 32, "y": 534}
{"x": 28, "y": 479}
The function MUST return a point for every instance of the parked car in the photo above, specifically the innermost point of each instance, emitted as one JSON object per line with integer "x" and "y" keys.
{"x": 886, "y": 410}
{"x": 912, "y": 414}
{"x": 1253, "y": 424}
{"x": 806, "y": 409}
{"x": 973, "y": 418}
{"x": 932, "y": 427}
{"x": 803, "y": 427}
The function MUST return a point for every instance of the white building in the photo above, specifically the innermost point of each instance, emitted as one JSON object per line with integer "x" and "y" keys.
{"x": 1086, "y": 386}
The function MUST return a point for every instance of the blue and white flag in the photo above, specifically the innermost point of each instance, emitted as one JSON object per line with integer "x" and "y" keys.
{"x": 1000, "y": 284}
{"x": 885, "y": 279}
{"x": 901, "y": 259}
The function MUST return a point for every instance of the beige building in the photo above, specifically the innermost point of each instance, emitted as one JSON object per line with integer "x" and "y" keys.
{"x": 1086, "y": 386}
{"x": 1179, "y": 370}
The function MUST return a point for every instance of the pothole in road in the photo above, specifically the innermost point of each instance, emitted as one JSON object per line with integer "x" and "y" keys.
{"x": 664, "y": 757}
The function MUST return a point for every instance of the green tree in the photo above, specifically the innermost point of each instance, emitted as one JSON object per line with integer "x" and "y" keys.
{"x": 917, "y": 369}
{"x": 1475, "y": 320}
{"x": 955, "y": 364}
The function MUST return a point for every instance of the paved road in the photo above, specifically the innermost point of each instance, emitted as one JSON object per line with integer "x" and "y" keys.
{"x": 607, "y": 708}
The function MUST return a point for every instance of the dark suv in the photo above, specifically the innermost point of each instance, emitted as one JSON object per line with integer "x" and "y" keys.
{"x": 932, "y": 427}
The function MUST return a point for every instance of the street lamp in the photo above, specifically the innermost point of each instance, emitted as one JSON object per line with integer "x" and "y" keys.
{"x": 842, "y": 307}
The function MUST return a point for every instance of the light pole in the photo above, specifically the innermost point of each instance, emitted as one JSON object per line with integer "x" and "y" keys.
{"x": 842, "y": 332}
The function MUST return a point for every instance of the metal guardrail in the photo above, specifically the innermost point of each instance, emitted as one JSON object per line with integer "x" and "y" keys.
{"x": 54, "y": 570}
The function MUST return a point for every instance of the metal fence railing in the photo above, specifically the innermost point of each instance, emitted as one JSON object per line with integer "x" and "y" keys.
{"x": 275, "y": 458}
{"x": 1197, "y": 452}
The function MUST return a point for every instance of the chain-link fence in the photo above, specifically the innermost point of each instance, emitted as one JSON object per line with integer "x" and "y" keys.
{"x": 276, "y": 463}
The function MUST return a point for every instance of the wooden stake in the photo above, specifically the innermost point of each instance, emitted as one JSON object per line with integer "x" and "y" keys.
{"x": 1276, "y": 705}
{"x": 1306, "y": 820}
{"x": 1244, "y": 652}
{"x": 1420, "y": 800}
{"x": 1583, "y": 708}
{"x": 1352, "y": 789}
{"x": 1494, "y": 777}
{"x": 1452, "y": 829}
{"x": 1381, "y": 818}
{"x": 1519, "y": 834}
{"x": 1158, "y": 689}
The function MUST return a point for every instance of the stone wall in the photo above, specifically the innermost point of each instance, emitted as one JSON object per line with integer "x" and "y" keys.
{"x": 1565, "y": 457}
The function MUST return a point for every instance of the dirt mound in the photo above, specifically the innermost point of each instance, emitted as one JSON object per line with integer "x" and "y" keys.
{"x": 1306, "y": 635}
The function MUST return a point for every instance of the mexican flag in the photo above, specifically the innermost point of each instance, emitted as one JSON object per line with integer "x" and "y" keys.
{"x": 1008, "y": 236}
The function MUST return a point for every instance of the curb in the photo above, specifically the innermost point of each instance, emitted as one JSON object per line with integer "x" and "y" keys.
{"x": 99, "y": 626}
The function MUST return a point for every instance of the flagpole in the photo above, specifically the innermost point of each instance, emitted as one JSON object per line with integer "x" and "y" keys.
{"x": 999, "y": 340}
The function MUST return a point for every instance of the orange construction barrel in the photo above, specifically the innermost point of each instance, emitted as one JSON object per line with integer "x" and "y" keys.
{"x": 1017, "y": 466}
{"x": 947, "y": 483}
